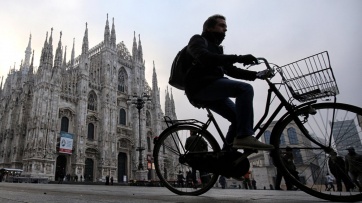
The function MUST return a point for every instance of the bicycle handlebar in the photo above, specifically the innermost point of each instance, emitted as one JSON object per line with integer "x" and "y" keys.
{"x": 265, "y": 61}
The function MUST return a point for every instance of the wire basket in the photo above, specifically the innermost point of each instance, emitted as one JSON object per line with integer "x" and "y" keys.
{"x": 310, "y": 78}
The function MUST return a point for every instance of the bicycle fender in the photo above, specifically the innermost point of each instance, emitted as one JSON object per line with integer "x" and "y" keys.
{"x": 176, "y": 125}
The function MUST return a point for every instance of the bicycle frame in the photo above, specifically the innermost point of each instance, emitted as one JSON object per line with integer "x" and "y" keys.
{"x": 290, "y": 111}
{"x": 290, "y": 108}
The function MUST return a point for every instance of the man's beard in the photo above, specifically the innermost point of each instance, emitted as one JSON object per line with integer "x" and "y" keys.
{"x": 219, "y": 36}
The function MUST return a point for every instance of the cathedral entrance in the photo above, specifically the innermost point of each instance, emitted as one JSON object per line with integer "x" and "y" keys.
{"x": 60, "y": 168}
{"x": 88, "y": 170}
{"x": 122, "y": 164}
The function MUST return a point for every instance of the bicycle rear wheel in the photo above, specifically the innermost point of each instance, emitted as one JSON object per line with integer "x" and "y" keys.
{"x": 333, "y": 125}
{"x": 168, "y": 154}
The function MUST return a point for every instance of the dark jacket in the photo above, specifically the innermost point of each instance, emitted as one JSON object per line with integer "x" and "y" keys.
{"x": 210, "y": 64}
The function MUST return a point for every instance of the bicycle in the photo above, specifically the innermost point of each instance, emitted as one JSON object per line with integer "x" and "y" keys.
{"x": 323, "y": 130}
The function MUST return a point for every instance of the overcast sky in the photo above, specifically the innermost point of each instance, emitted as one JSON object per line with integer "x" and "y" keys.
{"x": 282, "y": 31}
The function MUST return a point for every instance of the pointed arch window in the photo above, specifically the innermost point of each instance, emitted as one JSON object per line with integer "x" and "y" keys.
{"x": 292, "y": 135}
{"x": 121, "y": 81}
{"x": 267, "y": 136}
{"x": 90, "y": 134}
{"x": 92, "y": 101}
{"x": 122, "y": 117}
{"x": 149, "y": 144}
{"x": 297, "y": 156}
{"x": 64, "y": 126}
{"x": 148, "y": 119}
{"x": 149, "y": 141}
{"x": 282, "y": 140}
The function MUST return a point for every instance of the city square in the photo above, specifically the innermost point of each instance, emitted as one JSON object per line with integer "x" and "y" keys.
{"x": 86, "y": 101}
{"x": 41, "y": 193}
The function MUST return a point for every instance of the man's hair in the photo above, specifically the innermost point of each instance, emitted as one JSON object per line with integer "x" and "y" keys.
{"x": 212, "y": 21}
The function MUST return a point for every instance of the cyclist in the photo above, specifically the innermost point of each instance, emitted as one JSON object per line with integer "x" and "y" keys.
{"x": 205, "y": 83}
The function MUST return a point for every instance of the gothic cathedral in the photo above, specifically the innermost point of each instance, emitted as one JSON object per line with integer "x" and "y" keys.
{"x": 90, "y": 100}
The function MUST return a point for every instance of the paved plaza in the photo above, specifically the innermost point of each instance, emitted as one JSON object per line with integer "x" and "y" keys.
{"x": 64, "y": 193}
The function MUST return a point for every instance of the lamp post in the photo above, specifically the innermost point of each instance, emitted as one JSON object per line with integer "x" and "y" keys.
{"x": 139, "y": 102}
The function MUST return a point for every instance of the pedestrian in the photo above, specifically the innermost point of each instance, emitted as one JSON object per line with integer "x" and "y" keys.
{"x": 205, "y": 84}
{"x": 107, "y": 180}
{"x": 253, "y": 183}
{"x": 81, "y": 178}
{"x": 288, "y": 160}
{"x": 354, "y": 167}
{"x": 330, "y": 184}
{"x": 180, "y": 179}
{"x": 197, "y": 145}
{"x": 111, "y": 180}
{"x": 222, "y": 182}
{"x": 246, "y": 181}
{"x": 189, "y": 181}
{"x": 337, "y": 167}
{"x": 60, "y": 178}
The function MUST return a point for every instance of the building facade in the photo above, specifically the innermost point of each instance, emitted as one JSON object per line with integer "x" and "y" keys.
{"x": 87, "y": 98}
{"x": 346, "y": 129}
{"x": 263, "y": 169}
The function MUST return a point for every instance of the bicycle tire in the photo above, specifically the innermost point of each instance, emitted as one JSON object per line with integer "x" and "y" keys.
{"x": 169, "y": 148}
{"x": 311, "y": 161}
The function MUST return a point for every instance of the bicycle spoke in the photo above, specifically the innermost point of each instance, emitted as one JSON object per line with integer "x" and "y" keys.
{"x": 334, "y": 126}
{"x": 171, "y": 166}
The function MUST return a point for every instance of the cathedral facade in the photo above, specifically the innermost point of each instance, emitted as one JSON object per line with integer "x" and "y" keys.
{"x": 90, "y": 99}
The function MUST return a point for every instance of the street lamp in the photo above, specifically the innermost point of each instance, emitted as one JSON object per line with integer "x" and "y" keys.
{"x": 139, "y": 101}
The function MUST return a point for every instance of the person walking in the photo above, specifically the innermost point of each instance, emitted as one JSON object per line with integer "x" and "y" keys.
{"x": 180, "y": 179}
{"x": 253, "y": 183}
{"x": 222, "y": 182}
{"x": 337, "y": 167}
{"x": 199, "y": 145}
{"x": 288, "y": 159}
{"x": 354, "y": 167}
{"x": 330, "y": 184}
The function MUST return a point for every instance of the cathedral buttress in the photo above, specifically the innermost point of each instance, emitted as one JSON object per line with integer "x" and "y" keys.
{"x": 134, "y": 47}
{"x": 140, "y": 53}
{"x": 72, "y": 56}
{"x": 64, "y": 66}
{"x": 27, "y": 57}
{"x": 85, "y": 45}
{"x": 106, "y": 33}
{"x": 113, "y": 36}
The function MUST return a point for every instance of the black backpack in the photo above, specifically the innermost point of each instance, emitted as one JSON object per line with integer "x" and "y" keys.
{"x": 181, "y": 65}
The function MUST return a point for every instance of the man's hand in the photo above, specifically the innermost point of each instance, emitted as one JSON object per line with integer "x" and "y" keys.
{"x": 247, "y": 59}
{"x": 264, "y": 74}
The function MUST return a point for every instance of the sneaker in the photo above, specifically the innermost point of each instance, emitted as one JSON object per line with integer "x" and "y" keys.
{"x": 250, "y": 142}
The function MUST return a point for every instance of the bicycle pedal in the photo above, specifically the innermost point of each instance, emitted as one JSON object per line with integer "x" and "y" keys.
{"x": 250, "y": 151}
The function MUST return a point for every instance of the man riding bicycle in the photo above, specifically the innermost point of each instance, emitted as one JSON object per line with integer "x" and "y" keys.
{"x": 205, "y": 83}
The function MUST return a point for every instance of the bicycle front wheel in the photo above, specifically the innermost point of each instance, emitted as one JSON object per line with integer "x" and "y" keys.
{"x": 169, "y": 157}
{"x": 335, "y": 127}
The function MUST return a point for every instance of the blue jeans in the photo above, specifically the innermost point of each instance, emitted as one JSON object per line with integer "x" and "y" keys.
{"x": 240, "y": 114}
